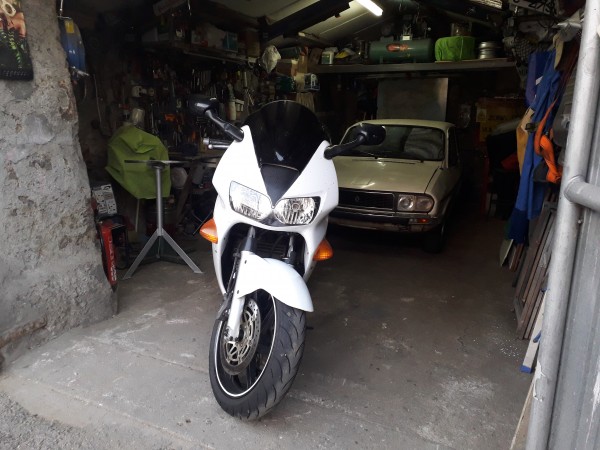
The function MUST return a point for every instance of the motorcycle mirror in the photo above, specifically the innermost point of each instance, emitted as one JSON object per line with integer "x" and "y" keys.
{"x": 199, "y": 104}
{"x": 361, "y": 134}
{"x": 372, "y": 134}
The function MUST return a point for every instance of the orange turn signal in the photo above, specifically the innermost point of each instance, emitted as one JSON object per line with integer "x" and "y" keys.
{"x": 209, "y": 231}
{"x": 324, "y": 251}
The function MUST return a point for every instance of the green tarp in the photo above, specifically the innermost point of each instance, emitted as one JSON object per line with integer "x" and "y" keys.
{"x": 131, "y": 143}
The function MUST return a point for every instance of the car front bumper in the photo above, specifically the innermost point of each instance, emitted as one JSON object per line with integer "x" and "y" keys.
{"x": 385, "y": 221}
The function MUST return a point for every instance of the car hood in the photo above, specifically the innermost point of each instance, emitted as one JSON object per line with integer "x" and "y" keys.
{"x": 395, "y": 175}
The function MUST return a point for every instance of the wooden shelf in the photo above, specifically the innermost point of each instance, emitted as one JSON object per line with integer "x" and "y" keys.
{"x": 443, "y": 67}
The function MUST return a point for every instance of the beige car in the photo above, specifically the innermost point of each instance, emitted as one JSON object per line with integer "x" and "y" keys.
{"x": 407, "y": 183}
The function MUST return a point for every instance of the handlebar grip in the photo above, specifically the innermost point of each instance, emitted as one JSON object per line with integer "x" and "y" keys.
{"x": 216, "y": 144}
{"x": 234, "y": 132}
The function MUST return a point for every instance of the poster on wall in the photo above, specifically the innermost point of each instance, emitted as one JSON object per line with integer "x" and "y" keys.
{"x": 15, "y": 59}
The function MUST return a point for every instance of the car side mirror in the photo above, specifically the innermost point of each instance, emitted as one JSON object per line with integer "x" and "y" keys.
{"x": 199, "y": 104}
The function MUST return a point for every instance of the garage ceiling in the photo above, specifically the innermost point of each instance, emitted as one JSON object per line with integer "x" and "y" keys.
{"x": 323, "y": 22}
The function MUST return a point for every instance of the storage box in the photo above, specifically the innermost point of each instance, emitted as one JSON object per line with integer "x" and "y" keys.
{"x": 311, "y": 82}
{"x": 287, "y": 67}
{"x": 105, "y": 200}
{"x": 327, "y": 57}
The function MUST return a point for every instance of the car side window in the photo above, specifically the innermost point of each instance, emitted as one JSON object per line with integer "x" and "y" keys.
{"x": 452, "y": 148}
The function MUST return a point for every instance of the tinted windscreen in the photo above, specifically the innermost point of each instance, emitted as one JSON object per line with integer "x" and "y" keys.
{"x": 405, "y": 142}
{"x": 285, "y": 133}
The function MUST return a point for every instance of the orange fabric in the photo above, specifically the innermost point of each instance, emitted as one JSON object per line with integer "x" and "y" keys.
{"x": 542, "y": 144}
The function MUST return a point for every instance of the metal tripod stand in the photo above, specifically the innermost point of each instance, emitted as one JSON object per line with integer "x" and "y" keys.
{"x": 160, "y": 236}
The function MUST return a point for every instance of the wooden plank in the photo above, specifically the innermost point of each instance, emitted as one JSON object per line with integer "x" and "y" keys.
{"x": 541, "y": 242}
{"x": 518, "y": 309}
{"x": 530, "y": 355}
{"x": 516, "y": 259}
{"x": 532, "y": 251}
{"x": 534, "y": 312}
{"x": 545, "y": 263}
{"x": 534, "y": 285}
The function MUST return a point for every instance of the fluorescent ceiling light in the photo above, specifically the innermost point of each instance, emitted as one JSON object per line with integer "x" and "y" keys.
{"x": 496, "y": 4}
{"x": 371, "y": 6}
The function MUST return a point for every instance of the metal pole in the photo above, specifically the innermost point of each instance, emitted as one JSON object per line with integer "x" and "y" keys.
{"x": 560, "y": 273}
{"x": 584, "y": 194}
{"x": 159, "y": 201}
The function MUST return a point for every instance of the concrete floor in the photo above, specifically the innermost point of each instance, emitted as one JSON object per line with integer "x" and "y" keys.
{"x": 405, "y": 350}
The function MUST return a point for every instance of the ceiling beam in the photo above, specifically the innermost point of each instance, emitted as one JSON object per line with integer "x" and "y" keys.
{"x": 305, "y": 18}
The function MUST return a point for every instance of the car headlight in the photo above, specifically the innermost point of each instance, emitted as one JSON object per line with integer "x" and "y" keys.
{"x": 415, "y": 203}
{"x": 296, "y": 211}
{"x": 249, "y": 202}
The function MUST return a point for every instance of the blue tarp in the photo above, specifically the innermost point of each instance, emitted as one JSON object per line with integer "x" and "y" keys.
{"x": 530, "y": 198}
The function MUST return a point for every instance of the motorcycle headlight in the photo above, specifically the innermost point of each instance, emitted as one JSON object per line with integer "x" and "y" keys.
{"x": 415, "y": 203}
{"x": 248, "y": 202}
{"x": 296, "y": 211}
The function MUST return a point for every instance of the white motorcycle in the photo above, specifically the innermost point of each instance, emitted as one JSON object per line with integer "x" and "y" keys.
{"x": 276, "y": 185}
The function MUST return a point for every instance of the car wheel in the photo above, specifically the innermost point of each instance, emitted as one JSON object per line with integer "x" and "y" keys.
{"x": 433, "y": 242}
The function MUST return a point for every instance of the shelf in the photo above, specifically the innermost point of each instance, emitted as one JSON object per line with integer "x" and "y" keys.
{"x": 200, "y": 52}
{"x": 461, "y": 66}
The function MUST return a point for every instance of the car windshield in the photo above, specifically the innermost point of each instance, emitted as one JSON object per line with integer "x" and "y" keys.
{"x": 404, "y": 142}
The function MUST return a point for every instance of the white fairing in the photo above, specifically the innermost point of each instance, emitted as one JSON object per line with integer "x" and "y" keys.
{"x": 318, "y": 179}
{"x": 276, "y": 277}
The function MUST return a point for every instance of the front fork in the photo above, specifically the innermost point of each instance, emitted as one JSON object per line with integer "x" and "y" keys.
{"x": 233, "y": 304}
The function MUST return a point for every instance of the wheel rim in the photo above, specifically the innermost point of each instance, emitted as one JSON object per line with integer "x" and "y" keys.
{"x": 235, "y": 357}
{"x": 240, "y": 366}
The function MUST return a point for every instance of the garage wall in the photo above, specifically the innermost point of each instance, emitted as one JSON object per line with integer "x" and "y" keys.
{"x": 423, "y": 99}
{"x": 50, "y": 266}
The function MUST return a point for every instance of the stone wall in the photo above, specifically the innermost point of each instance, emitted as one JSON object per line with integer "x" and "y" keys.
{"x": 50, "y": 262}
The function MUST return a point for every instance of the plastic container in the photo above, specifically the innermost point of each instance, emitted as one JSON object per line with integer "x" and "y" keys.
{"x": 327, "y": 57}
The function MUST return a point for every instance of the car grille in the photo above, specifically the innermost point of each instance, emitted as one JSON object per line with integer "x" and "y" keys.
{"x": 365, "y": 199}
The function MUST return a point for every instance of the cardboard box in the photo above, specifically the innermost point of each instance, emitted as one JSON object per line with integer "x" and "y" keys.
{"x": 105, "y": 200}
{"x": 492, "y": 112}
{"x": 303, "y": 64}
{"x": 287, "y": 67}
{"x": 314, "y": 58}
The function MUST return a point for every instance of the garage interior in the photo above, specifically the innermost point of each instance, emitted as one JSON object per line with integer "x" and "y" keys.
{"x": 405, "y": 348}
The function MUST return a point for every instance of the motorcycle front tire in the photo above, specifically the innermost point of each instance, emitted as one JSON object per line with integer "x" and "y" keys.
{"x": 274, "y": 360}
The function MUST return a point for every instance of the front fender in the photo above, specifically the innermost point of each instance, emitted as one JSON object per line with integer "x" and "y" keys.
{"x": 276, "y": 277}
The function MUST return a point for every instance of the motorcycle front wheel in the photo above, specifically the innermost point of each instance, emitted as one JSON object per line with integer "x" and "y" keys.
{"x": 252, "y": 375}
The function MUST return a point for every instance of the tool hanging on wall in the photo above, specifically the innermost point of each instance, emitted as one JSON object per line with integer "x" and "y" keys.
{"x": 72, "y": 43}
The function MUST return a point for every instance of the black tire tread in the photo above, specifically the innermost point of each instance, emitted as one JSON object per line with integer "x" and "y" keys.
{"x": 278, "y": 376}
